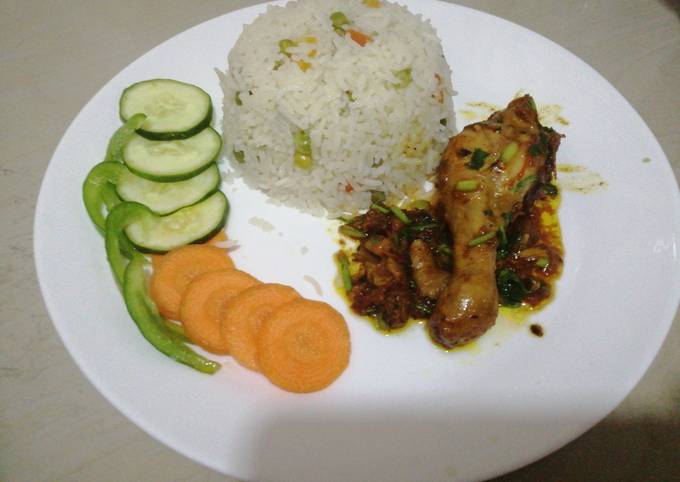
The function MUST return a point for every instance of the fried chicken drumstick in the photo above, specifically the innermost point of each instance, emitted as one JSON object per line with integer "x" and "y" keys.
{"x": 489, "y": 174}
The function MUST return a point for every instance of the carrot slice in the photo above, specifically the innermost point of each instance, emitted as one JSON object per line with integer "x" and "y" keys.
{"x": 204, "y": 302}
{"x": 359, "y": 37}
{"x": 157, "y": 259}
{"x": 176, "y": 270}
{"x": 303, "y": 346}
{"x": 243, "y": 316}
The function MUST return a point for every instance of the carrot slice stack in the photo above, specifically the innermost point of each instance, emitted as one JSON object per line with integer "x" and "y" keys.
{"x": 173, "y": 273}
{"x": 303, "y": 346}
{"x": 204, "y": 302}
{"x": 243, "y": 316}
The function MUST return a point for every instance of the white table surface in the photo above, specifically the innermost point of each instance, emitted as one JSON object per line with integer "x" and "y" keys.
{"x": 55, "y": 54}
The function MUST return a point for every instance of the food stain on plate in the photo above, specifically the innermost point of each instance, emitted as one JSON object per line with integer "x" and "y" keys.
{"x": 537, "y": 330}
{"x": 579, "y": 179}
{"x": 548, "y": 114}
{"x": 261, "y": 223}
{"x": 551, "y": 114}
{"x": 478, "y": 111}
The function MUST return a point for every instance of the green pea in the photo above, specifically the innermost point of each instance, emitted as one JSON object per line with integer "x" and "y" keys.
{"x": 404, "y": 77}
{"x": 338, "y": 19}
{"x": 303, "y": 150}
{"x": 285, "y": 44}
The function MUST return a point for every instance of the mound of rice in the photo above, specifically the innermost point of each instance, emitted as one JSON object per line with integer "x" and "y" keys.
{"x": 378, "y": 116}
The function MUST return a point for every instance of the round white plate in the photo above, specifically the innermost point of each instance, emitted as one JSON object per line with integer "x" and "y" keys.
{"x": 403, "y": 410}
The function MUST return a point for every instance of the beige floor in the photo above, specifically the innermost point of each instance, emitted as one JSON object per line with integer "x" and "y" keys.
{"x": 55, "y": 54}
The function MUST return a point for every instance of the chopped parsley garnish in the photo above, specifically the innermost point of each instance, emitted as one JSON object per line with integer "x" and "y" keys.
{"x": 477, "y": 160}
{"x": 511, "y": 290}
{"x": 536, "y": 149}
{"x": 481, "y": 239}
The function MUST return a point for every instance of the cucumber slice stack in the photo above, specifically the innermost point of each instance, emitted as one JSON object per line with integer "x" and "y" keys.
{"x": 174, "y": 151}
{"x": 168, "y": 164}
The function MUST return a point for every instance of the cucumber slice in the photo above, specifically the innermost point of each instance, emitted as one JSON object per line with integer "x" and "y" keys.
{"x": 174, "y": 110}
{"x": 166, "y": 161}
{"x": 167, "y": 197}
{"x": 192, "y": 224}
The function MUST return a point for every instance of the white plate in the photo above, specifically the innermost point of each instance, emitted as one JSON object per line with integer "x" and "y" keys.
{"x": 403, "y": 410}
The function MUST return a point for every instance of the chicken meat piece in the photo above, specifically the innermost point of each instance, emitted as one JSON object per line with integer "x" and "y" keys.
{"x": 489, "y": 174}
{"x": 430, "y": 279}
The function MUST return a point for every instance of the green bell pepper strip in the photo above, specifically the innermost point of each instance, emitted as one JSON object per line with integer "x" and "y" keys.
{"x": 111, "y": 200}
{"x": 120, "y": 138}
{"x": 110, "y": 196}
{"x": 145, "y": 315}
{"x": 96, "y": 193}
{"x": 98, "y": 190}
{"x": 176, "y": 331}
{"x": 118, "y": 247}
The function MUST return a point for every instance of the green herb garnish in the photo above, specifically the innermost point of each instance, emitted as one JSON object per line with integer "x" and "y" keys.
{"x": 380, "y": 208}
{"x": 536, "y": 150}
{"x": 542, "y": 262}
{"x": 351, "y": 232}
{"x": 524, "y": 183}
{"x": 344, "y": 271}
{"x": 502, "y": 237}
{"x": 444, "y": 248}
{"x": 419, "y": 228}
{"x": 532, "y": 103}
{"x": 477, "y": 160}
{"x": 511, "y": 290}
{"x": 400, "y": 215}
{"x": 481, "y": 239}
